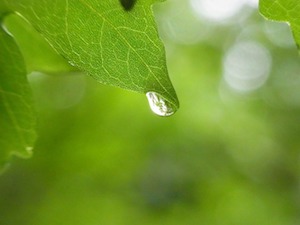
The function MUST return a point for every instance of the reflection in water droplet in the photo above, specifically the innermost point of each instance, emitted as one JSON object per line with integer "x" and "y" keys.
{"x": 159, "y": 105}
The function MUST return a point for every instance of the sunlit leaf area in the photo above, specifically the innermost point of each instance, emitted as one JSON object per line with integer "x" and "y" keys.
{"x": 229, "y": 156}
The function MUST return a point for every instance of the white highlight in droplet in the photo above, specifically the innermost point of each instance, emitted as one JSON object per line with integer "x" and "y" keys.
{"x": 159, "y": 105}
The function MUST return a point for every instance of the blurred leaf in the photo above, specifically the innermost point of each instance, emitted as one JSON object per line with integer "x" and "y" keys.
{"x": 284, "y": 11}
{"x": 17, "y": 121}
{"x": 39, "y": 56}
{"x": 116, "y": 46}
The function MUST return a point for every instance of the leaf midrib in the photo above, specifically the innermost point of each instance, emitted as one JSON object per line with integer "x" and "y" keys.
{"x": 127, "y": 43}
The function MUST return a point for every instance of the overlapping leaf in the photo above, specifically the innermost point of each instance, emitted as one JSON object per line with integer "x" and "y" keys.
{"x": 17, "y": 119}
{"x": 116, "y": 44}
{"x": 37, "y": 53}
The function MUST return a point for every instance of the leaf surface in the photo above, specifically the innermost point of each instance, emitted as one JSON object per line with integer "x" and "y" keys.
{"x": 114, "y": 42}
{"x": 17, "y": 117}
{"x": 283, "y": 11}
{"x": 116, "y": 46}
{"x": 37, "y": 53}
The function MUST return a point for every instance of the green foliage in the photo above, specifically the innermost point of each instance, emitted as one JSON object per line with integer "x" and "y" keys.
{"x": 284, "y": 11}
{"x": 17, "y": 133}
{"x": 114, "y": 42}
{"x": 113, "y": 45}
{"x": 39, "y": 56}
{"x": 230, "y": 156}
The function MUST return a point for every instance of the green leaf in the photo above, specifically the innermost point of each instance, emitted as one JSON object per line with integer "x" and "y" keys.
{"x": 115, "y": 46}
{"x": 284, "y": 11}
{"x": 17, "y": 117}
{"x": 39, "y": 56}
{"x": 115, "y": 42}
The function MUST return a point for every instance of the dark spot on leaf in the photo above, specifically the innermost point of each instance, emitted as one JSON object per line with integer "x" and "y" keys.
{"x": 127, "y": 4}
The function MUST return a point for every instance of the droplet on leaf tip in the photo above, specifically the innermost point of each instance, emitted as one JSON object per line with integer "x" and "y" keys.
{"x": 159, "y": 105}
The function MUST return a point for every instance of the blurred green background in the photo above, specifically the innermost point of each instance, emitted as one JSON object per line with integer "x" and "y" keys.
{"x": 230, "y": 155}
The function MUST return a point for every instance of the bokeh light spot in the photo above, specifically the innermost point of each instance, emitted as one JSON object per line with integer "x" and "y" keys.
{"x": 219, "y": 10}
{"x": 247, "y": 66}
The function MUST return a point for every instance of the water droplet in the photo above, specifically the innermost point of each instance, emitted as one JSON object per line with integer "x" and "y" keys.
{"x": 159, "y": 105}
